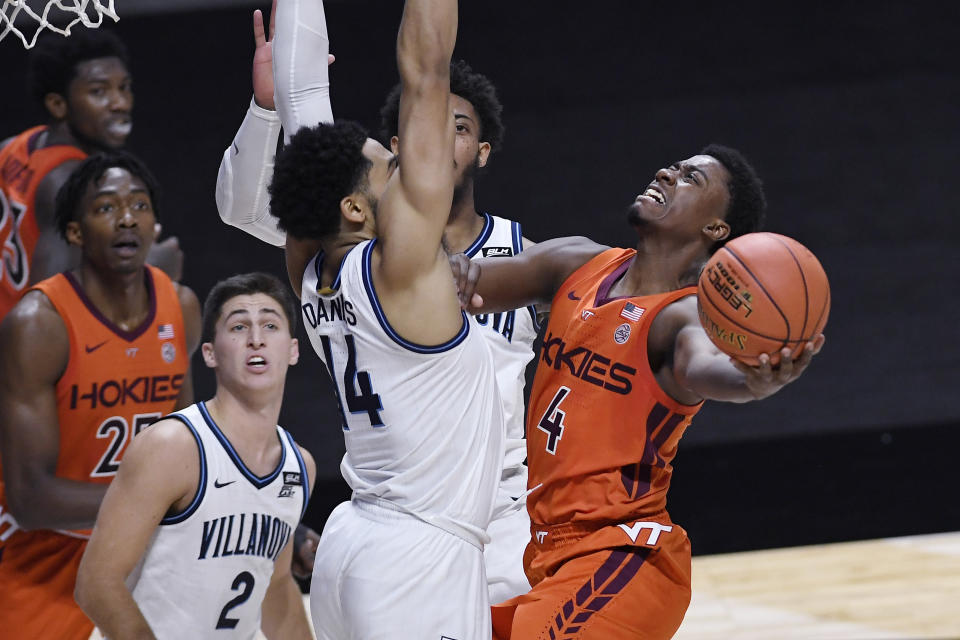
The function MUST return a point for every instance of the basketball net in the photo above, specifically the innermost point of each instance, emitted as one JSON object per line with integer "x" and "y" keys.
{"x": 89, "y": 12}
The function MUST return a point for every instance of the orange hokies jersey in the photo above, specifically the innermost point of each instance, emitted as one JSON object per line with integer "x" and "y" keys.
{"x": 22, "y": 168}
{"x": 116, "y": 383}
{"x": 601, "y": 433}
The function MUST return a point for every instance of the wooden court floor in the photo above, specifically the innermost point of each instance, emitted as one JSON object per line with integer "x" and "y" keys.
{"x": 896, "y": 588}
{"x": 891, "y": 588}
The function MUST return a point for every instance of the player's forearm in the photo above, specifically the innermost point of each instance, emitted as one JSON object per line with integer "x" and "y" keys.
{"x": 107, "y": 601}
{"x": 428, "y": 33}
{"x": 301, "y": 77}
{"x": 54, "y": 503}
{"x": 245, "y": 173}
{"x": 284, "y": 615}
{"x": 713, "y": 377}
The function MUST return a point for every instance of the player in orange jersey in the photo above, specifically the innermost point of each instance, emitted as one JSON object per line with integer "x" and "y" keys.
{"x": 84, "y": 85}
{"x": 88, "y": 358}
{"x": 623, "y": 368}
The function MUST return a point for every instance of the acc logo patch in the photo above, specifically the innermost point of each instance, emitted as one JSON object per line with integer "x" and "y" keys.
{"x": 622, "y": 334}
{"x": 168, "y": 352}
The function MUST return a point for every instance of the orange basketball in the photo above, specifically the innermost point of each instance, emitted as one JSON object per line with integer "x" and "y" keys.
{"x": 760, "y": 293}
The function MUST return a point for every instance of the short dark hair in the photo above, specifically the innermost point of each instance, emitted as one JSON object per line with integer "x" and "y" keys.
{"x": 473, "y": 87}
{"x": 745, "y": 213}
{"x": 52, "y": 63}
{"x": 92, "y": 169}
{"x": 247, "y": 284}
{"x": 318, "y": 168}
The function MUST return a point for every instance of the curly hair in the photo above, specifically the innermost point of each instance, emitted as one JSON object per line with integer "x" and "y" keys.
{"x": 321, "y": 166}
{"x": 90, "y": 171}
{"x": 473, "y": 87}
{"x": 52, "y": 64}
{"x": 247, "y": 284}
{"x": 745, "y": 213}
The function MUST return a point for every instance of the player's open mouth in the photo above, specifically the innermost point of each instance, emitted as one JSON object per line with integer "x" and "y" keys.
{"x": 257, "y": 362}
{"x": 654, "y": 194}
{"x": 127, "y": 247}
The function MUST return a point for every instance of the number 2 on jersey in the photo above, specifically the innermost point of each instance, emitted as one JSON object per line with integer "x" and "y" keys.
{"x": 244, "y": 580}
{"x": 367, "y": 401}
{"x": 552, "y": 420}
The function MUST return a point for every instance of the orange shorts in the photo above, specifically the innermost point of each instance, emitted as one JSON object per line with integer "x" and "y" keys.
{"x": 633, "y": 591}
{"x": 38, "y": 572}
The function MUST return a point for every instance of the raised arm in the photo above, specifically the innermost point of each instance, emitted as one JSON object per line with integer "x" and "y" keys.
{"x": 34, "y": 349}
{"x": 247, "y": 165}
{"x": 410, "y": 271}
{"x": 160, "y": 470}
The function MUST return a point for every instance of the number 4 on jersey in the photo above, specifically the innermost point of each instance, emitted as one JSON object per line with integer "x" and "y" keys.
{"x": 552, "y": 420}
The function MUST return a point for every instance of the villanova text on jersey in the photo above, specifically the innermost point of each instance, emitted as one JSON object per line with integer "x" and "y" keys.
{"x": 260, "y": 535}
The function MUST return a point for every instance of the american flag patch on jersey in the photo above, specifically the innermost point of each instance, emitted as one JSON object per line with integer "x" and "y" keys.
{"x": 632, "y": 312}
{"x": 165, "y": 332}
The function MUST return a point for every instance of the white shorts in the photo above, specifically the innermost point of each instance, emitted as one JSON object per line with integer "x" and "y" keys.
{"x": 384, "y": 574}
{"x": 509, "y": 533}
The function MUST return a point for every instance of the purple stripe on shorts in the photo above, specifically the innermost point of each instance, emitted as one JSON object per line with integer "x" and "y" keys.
{"x": 584, "y": 593}
{"x": 607, "y": 568}
{"x": 582, "y": 617}
{"x": 627, "y": 572}
{"x": 567, "y": 609}
{"x": 597, "y": 603}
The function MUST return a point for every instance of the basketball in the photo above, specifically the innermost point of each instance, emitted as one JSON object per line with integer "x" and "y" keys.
{"x": 760, "y": 293}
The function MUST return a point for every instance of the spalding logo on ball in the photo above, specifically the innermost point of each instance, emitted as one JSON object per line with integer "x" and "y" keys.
{"x": 760, "y": 293}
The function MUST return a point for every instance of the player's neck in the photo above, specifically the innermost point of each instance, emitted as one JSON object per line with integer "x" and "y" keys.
{"x": 334, "y": 250}
{"x": 463, "y": 225}
{"x": 249, "y": 421}
{"x": 660, "y": 265}
{"x": 122, "y": 298}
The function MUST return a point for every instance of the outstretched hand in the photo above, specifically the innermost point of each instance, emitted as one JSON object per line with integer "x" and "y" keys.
{"x": 765, "y": 379}
{"x": 263, "y": 60}
{"x": 466, "y": 273}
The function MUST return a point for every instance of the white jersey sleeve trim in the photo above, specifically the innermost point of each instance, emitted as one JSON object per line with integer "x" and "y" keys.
{"x": 201, "y": 487}
{"x": 304, "y": 476}
{"x": 385, "y": 324}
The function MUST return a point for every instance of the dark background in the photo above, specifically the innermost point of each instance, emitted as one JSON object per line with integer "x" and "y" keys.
{"x": 848, "y": 111}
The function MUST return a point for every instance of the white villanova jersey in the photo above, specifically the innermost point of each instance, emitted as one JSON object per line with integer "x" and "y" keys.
{"x": 206, "y": 570}
{"x": 423, "y": 425}
{"x": 511, "y": 335}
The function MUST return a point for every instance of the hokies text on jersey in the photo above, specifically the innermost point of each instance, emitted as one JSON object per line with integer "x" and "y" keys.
{"x": 588, "y": 365}
{"x": 110, "y": 393}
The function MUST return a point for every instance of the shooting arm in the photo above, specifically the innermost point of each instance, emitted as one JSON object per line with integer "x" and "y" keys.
{"x": 34, "y": 350}
{"x": 707, "y": 372}
{"x": 160, "y": 469}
